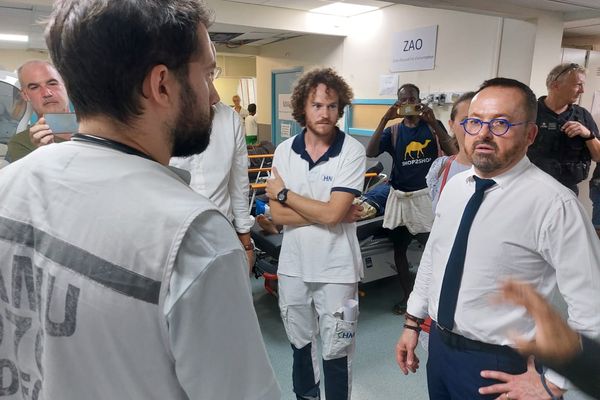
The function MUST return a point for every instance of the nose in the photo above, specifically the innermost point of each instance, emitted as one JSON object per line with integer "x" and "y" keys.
{"x": 46, "y": 91}
{"x": 213, "y": 94}
{"x": 485, "y": 132}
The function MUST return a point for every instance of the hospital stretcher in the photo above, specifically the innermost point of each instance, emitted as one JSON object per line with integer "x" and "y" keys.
{"x": 377, "y": 251}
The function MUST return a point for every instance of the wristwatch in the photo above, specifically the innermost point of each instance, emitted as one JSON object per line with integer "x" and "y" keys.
{"x": 282, "y": 195}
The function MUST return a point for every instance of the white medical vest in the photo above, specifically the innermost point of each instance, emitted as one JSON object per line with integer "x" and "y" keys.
{"x": 87, "y": 251}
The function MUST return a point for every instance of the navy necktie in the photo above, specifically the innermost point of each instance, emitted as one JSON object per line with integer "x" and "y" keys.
{"x": 456, "y": 261}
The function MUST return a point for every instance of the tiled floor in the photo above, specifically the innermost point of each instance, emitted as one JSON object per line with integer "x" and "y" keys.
{"x": 376, "y": 374}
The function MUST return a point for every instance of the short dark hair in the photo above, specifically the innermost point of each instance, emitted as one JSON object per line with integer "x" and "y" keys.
{"x": 104, "y": 49}
{"x": 309, "y": 81}
{"x": 463, "y": 97}
{"x": 409, "y": 86}
{"x": 252, "y": 107}
{"x": 529, "y": 99}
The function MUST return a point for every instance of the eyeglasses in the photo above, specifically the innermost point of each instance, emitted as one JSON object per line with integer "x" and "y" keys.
{"x": 568, "y": 68}
{"x": 498, "y": 126}
{"x": 216, "y": 73}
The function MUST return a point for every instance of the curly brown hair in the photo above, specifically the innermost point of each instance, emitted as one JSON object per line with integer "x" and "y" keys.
{"x": 308, "y": 83}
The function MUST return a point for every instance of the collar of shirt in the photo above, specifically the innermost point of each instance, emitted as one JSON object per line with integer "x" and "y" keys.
{"x": 299, "y": 147}
{"x": 503, "y": 180}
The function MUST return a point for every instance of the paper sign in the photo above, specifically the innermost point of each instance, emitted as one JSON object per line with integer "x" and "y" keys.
{"x": 388, "y": 85}
{"x": 286, "y": 130}
{"x": 285, "y": 107}
{"x": 414, "y": 50}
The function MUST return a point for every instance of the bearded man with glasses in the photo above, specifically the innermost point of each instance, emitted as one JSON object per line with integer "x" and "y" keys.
{"x": 568, "y": 136}
{"x": 518, "y": 223}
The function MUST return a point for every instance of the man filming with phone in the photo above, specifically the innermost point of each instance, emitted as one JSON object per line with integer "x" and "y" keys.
{"x": 414, "y": 144}
{"x": 43, "y": 87}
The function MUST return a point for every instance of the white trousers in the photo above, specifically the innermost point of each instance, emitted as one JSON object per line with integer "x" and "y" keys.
{"x": 309, "y": 309}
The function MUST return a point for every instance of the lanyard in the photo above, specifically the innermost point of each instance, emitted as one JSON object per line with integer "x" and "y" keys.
{"x": 81, "y": 137}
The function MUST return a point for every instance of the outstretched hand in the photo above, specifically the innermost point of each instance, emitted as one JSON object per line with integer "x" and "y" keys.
{"x": 554, "y": 342}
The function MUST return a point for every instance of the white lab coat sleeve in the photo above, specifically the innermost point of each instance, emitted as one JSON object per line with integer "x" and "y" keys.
{"x": 570, "y": 245}
{"x": 213, "y": 331}
{"x": 418, "y": 301}
{"x": 238, "y": 184}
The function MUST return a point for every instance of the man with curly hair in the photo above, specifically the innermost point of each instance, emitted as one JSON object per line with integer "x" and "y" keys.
{"x": 316, "y": 176}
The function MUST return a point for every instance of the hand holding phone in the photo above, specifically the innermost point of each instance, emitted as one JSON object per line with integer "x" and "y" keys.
{"x": 62, "y": 122}
{"x": 409, "y": 109}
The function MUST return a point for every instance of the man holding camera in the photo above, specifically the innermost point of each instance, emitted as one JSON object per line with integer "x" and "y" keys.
{"x": 43, "y": 87}
{"x": 414, "y": 144}
{"x": 568, "y": 136}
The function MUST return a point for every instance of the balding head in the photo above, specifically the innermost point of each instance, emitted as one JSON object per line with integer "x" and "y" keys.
{"x": 43, "y": 87}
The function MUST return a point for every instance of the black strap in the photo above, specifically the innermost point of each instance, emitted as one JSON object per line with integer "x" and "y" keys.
{"x": 82, "y": 137}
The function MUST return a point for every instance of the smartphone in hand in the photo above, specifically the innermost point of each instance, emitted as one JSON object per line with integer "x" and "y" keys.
{"x": 404, "y": 110}
{"x": 61, "y": 123}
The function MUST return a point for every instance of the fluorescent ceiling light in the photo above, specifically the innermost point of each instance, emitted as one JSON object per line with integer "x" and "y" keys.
{"x": 343, "y": 9}
{"x": 13, "y": 38}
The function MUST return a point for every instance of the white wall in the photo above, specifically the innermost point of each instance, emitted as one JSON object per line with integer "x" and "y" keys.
{"x": 516, "y": 51}
{"x": 470, "y": 49}
{"x": 10, "y": 60}
{"x": 547, "y": 50}
{"x": 465, "y": 49}
{"x": 308, "y": 51}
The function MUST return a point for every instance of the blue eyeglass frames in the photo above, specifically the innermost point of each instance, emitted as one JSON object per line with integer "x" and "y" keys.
{"x": 497, "y": 126}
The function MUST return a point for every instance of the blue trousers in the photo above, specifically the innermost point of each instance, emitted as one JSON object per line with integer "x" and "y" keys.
{"x": 454, "y": 374}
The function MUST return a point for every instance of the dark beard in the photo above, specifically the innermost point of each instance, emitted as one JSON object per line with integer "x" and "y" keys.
{"x": 191, "y": 133}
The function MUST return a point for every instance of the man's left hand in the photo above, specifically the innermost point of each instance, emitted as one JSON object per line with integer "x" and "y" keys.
{"x": 274, "y": 184}
{"x": 516, "y": 387}
{"x": 574, "y": 128}
{"x": 354, "y": 213}
{"x": 427, "y": 114}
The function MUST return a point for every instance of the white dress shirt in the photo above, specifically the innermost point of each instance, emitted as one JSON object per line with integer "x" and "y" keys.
{"x": 210, "y": 266}
{"x": 530, "y": 228}
{"x": 221, "y": 171}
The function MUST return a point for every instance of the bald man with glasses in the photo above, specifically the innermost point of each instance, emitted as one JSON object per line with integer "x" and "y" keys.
{"x": 568, "y": 136}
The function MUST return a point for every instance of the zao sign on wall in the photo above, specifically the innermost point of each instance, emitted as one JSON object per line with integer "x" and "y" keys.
{"x": 414, "y": 50}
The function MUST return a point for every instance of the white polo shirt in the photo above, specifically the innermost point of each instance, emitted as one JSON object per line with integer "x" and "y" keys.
{"x": 321, "y": 253}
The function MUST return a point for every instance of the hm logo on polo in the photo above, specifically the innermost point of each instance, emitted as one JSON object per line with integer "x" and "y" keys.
{"x": 327, "y": 178}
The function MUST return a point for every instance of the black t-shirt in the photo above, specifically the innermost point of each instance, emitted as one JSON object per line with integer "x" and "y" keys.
{"x": 413, "y": 154}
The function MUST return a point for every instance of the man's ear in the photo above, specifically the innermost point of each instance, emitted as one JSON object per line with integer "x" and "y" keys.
{"x": 159, "y": 86}
{"x": 532, "y": 131}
